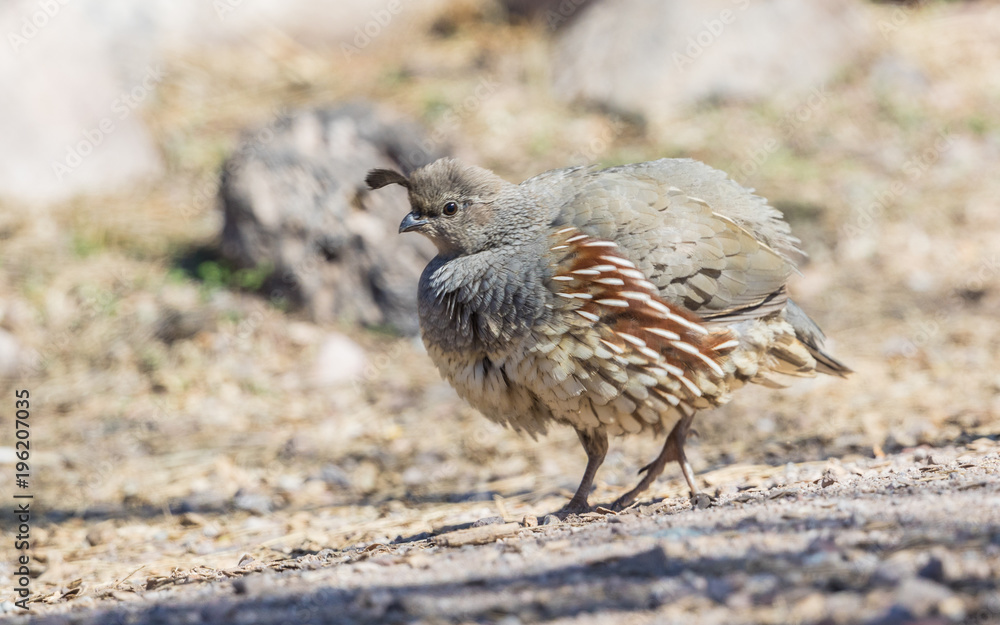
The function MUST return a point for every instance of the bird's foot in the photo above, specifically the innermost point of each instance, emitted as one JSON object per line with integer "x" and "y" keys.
{"x": 623, "y": 502}
{"x": 575, "y": 506}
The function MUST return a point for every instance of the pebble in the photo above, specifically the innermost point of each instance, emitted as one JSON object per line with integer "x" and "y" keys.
{"x": 490, "y": 520}
{"x": 255, "y": 503}
{"x": 252, "y": 584}
{"x": 921, "y": 596}
{"x": 338, "y": 360}
{"x": 933, "y": 570}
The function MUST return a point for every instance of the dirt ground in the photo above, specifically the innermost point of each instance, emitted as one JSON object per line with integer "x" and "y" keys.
{"x": 238, "y": 476}
{"x": 908, "y": 538}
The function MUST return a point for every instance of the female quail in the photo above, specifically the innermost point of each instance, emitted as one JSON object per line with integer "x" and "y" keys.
{"x": 616, "y": 301}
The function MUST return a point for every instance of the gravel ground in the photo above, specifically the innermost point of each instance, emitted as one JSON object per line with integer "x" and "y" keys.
{"x": 911, "y": 537}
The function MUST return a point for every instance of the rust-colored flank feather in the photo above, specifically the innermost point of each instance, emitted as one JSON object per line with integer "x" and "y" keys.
{"x": 642, "y": 330}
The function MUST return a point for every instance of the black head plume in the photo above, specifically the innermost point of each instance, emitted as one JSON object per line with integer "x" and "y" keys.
{"x": 378, "y": 178}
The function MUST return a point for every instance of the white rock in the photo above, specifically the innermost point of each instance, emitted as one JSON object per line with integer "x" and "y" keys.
{"x": 684, "y": 53}
{"x": 338, "y": 361}
{"x": 11, "y": 354}
{"x": 71, "y": 67}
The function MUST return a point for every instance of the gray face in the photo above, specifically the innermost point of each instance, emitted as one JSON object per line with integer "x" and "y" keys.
{"x": 453, "y": 205}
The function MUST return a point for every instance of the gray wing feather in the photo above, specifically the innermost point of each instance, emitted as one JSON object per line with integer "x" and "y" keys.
{"x": 708, "y": 244}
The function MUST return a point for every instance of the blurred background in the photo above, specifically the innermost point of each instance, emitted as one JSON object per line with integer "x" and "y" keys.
{"x": 216, "y": 323}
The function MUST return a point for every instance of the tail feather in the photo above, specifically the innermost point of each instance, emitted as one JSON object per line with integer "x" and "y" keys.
{"x": 809, "y": 335}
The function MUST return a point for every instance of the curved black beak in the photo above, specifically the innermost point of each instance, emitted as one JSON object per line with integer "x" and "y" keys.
{"x": 411, "y": 222}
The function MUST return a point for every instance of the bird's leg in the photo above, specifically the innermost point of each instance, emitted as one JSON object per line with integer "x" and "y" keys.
{"x": 595, "y": 443}
{"x": 673, "y": 449}
{"x": 699, "y": 499}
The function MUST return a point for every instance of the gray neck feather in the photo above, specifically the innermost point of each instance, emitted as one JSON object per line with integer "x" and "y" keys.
{"x": 484, "y": 301}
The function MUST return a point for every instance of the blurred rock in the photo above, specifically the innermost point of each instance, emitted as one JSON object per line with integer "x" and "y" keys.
{"x": 555, "y": 13}
{"x": 255, "y": 503}
{"x": 893, "y": 74}
{"x": 339, "y": 360}
{"x": 201, "y": 501}
{"x": 490, "y": 520}
{"x": 333, "y": 475}
{"x": 364, "y": 478}
{"x": 176, "y": 325}
{"x": 294, "y": 198}
{"x": 84, "y": 69}
{"x": 70, "y": 125}
{"x": 11, "y": 354}
{"x": 101, "y": 534}
{"x": 684, "y": 53}
{"x": 933, "y": 570}
{"x": 920, "y": 596}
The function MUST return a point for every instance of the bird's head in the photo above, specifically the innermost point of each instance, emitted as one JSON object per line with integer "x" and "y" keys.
{"x": 454, "y": 205}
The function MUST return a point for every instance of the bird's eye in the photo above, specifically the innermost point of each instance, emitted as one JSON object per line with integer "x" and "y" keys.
{"x": 450, "y": 209}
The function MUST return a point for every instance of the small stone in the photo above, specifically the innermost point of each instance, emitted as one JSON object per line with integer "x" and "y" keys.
{"x": 551, "y": 519}
{"x": 921, "y": 596}
{"x": 364, "y": 478}
{"x": 339, "y": 360}
{"x": 100, "y": 535}
{"x": 952, "y": 608}
{"x": 810, "y": 608}
{"x": 192, "y": 519}
{"x": 11, "y": 353}
{"x": 255, "y": 503}
{"x": 828, "y": 479}
{"x": 894, "y": 569}
{"x": 490, "y": 520}
{"x": 334, "y": 476}
{"x": 176, "y": 325}
{"x": 933, "y": 570}
{"x": 252, "y": 584}
{"x": 700, "y": 501}
{"x": 530, "y": 520}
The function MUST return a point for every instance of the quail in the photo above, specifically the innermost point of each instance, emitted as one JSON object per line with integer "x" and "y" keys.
{"x": 615, "y": 301}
